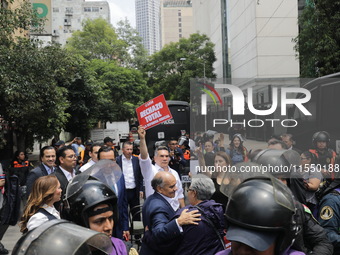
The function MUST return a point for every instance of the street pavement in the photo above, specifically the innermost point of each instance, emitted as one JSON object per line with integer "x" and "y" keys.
{"x": 13, "y": 233}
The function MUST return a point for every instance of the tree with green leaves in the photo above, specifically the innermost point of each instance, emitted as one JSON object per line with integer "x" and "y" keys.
{"x": 17, "y": 21}
{"x": 136, "y": 54}
{"x": 125, "y": 88}
{"x": 318, "y": 42}
{"x": 171, "y": 69}
{"x": 30, "y": 98}
{"x": 97, "y": 40}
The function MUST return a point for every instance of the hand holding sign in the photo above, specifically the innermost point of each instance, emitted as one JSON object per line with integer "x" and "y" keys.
{"x": 153, "y": 112}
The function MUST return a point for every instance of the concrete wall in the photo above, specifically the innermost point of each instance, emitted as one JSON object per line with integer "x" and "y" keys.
{"x": 261, "y": 34}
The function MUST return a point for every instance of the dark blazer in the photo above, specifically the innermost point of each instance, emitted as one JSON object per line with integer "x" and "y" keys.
{"x": 157, "y": 213}
{"x": 33, "y": 175}
{"x": 136, "y": 172}
{"x": 123, "y": 218}
{"x": 63, "y": 185}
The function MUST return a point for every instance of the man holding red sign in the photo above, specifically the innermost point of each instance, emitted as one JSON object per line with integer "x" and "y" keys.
{"x": 149, "y": 170}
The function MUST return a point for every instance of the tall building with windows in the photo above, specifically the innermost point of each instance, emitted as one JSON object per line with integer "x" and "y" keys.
{"x": 68, "y": 16}
{"x": 148, "y": 24}
{"x": 176, "y": 20}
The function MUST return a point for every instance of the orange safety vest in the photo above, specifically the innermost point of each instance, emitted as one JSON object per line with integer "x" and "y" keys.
{"x": 331, "y": 160}
{"x": 17, "y": 164}
{"x": 186, "y": 154}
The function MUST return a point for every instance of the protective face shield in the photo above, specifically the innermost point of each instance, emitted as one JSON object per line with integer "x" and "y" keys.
{"x": 321, "y": 136}
{"x": 182, "y": 140}
{"x": 262, "y": 207}
{"x": 160, "y": 143}
{"x": 57, "y": 237}
{"x": 92, "y": 187}
{"x": 209, "y": 134}
{"x": 278, "y": 162}
{"x": 238, "y": 173}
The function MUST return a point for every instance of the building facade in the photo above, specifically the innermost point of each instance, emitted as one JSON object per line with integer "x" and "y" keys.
{"x": 257, "y": 47}
{"x": 210, "y": 19}
{"x": 176, "y": 20}
{"x": 148, "y": 23}
{"x": 69, "y": 15}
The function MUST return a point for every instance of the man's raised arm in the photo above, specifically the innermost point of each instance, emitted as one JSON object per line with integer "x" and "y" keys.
{"x": 142, "y": 145}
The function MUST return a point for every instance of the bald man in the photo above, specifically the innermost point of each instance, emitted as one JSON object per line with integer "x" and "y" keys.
{"x": 157, "y": 215}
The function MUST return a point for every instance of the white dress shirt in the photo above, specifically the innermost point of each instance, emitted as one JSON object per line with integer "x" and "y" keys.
{"x": 39, "y": 218}
{"x": 128, "y": 173}
{"x": 67, "y": 174}
{"x": 87, "y": 165}
{"x": 149, "y": 171}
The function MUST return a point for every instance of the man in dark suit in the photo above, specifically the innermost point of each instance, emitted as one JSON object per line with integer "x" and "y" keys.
{"x": 121, "y": 228}
{"x": 157, "y": 215}
{"x": 65, "y": 171}
{"x": 47, "y": 158}
{"x": 133, "y": 177}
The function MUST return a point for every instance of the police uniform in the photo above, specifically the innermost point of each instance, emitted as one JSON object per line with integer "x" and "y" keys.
{"x": 329, "y": 217}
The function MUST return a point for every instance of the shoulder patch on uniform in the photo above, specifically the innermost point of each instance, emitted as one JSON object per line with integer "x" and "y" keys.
{"x": 306, "y": 208}
{"x": 326, "y": 213}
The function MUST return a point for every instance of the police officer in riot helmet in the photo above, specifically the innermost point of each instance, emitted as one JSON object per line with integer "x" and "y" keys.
{"x": 57, "y": 237}
{"x": 260, "y": 216}
{"x": 325, "y": 156}
{"x": 281, "y": 164}
{"x": 93, "y": 204}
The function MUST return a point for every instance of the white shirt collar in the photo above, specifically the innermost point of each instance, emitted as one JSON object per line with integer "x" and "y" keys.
{"x": 169, "y": 200}
{"x": 125, "y": 158}
{"x": 161, "y": 168}
{"x": 67, "y": 174}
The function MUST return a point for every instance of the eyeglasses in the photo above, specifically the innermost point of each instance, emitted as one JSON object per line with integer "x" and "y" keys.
{"x": 173, "y": 143}
{"x": 190, "y": 190}
{"x": 72, "y": 156}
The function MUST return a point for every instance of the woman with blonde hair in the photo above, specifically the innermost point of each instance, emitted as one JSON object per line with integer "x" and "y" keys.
{"x": 39, "y": 208}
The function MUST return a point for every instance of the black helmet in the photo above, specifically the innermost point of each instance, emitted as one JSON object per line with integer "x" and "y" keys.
{"x": 321, "y": 136}
{"x": 80, "y": 197}
{"x": 262, "y": 206}
{"x": 277, "y": 162}
{"x": 62, "y": 237}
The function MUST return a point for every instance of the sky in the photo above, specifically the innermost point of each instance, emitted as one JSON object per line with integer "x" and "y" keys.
{"x": 122, "y": 8}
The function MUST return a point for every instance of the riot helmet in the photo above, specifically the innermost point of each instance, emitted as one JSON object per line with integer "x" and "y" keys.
{"x": 62, "y": 237}
{"x": 278, "y": 162}
{"x": 321, "y": 136}
{"x": 262, "y": 209}
{"x": 80, "y": 200}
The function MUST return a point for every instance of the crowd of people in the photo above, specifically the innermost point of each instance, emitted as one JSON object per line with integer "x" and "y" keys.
{"x": 287, "y": 203}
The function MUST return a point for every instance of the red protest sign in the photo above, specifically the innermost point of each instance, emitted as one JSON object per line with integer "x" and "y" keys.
{"x": 153, "y": 112}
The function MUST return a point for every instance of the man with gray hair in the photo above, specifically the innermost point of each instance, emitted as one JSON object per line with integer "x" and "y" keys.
{"x": 157, "y": 213}
{"x": 193, "y": 241}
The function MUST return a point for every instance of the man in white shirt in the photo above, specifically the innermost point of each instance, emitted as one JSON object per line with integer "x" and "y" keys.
{"x": 149, "y": 170}
{"x": 94, "y": 157}
{"x": 133, "y": 178}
